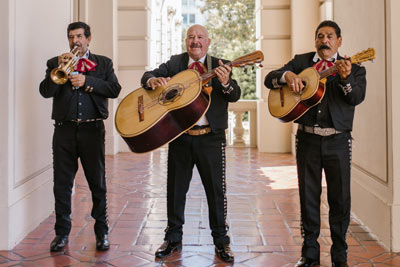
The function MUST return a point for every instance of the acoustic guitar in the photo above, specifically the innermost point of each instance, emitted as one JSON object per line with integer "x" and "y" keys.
{"x": 287, "y": 105}
{"x": 148, "y": 119}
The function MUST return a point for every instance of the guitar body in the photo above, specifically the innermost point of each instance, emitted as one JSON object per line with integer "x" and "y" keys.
{"x": 148, "y": 119}
{"x": 287, "y": 105}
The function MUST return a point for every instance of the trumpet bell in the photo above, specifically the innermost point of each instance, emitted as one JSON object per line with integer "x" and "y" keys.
{"x": 59, "y": 76}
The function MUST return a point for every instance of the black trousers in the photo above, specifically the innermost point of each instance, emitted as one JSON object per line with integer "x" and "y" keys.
{"x": 207, "y": 152}
{"x": 70, "y": 142}
{"x": 333, "y": 155}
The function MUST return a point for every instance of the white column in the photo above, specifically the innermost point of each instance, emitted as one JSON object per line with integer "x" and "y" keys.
{"x": 135, "y": 24}
{"x": 305, "y": 19}
{"x": 101, "y": 15}
{"x": 273, "y": 32}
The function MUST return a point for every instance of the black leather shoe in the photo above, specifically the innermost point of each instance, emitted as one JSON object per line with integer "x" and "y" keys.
{"x": 102, "y": 242}
{"x": 307, "y": 262}
{"x": 339, "y": 264}
{"x": 58, "y": 243}
{"x": 167, "y": 248}
{"x": 225, "y": 253}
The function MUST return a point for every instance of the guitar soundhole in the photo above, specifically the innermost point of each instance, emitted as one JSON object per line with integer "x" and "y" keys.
{"x": 171, "y": 94}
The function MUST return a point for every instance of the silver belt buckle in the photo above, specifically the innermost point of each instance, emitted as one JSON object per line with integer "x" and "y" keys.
{"x": 324, "y": 131}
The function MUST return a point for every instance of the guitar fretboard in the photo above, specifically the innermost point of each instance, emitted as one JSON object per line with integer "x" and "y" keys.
{"x": 328, "y": 72}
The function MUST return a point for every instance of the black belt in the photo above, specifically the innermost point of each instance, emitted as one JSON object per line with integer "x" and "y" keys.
{"x": 77, "y": 121}
{"x": 318, "y": 130}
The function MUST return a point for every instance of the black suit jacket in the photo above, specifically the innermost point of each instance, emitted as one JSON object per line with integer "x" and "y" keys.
{"x": 341, "y": 105}
{"x": 103, "y": 81}
{"x": 217, "y": 114}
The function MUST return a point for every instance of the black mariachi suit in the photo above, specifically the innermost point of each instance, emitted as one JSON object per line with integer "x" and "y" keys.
{"x": 330, "y": 153}
{"x": 83, "y": 140}
{"x": 207, "y": 152}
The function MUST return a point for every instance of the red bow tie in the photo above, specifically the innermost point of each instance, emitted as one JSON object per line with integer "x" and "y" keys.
{"x": 85, "y": 65}
{"x": 198, "y": 66}
{"x": 323, "y": 65}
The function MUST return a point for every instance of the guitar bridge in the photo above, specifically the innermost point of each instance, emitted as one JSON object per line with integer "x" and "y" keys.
{"x": 282, "y": 97}
{"x": 141, "y": 108}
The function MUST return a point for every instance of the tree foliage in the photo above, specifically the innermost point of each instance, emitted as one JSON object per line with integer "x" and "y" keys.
{"x": 231, "y": 28}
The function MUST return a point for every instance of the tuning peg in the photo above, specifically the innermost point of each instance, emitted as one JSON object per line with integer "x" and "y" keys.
{"x": 260, "y": 65}
{"x": 245, "y": 70}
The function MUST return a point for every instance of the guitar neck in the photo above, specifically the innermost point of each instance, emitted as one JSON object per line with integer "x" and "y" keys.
{"x": 328, "y": 72}
{"x": 207, "y": 76}
{"x": 331, "y": 70}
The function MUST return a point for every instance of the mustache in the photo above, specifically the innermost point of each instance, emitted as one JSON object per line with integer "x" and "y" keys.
{"x": 323, "y": 46}
{"x": 195, "y": 46}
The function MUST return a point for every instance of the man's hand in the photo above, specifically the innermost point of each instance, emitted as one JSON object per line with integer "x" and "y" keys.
{"x": 223, "y": 72}
{"x": 64, "y": 58}
{"x": 78, "y": 80}
{"x": 344, "y": 68}
{"x": 161, "y": 81}
{"x": 294, "y": 82}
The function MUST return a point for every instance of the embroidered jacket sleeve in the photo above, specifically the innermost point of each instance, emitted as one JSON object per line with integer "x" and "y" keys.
{"x": 232, "y": 91}
{"x": 354, "y": 86}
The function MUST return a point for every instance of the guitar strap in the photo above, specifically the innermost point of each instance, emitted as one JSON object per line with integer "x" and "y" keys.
{"x": 209, "y": 68}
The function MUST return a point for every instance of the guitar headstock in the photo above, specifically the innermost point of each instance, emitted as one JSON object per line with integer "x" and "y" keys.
{"x": 255, "y": 57}
{"x": 363, "y": 56}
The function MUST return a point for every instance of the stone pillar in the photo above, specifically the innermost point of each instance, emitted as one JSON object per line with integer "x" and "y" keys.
{"x": 101, "y": 15}
{"x": 238, "y": 130}
{"x": 273, "y": 25}
{"x": 134, "y": 46}
{"x": 305, "y": 19}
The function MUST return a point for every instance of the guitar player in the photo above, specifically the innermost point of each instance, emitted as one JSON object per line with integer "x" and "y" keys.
{"x": 324, "y": 142}
{"x": 203, "y": 145}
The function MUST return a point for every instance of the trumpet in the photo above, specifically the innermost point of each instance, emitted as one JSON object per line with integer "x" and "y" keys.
{"x": 60, "y": 75}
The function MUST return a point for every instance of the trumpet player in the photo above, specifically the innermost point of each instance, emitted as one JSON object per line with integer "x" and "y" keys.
{"x": 80, "y": 84}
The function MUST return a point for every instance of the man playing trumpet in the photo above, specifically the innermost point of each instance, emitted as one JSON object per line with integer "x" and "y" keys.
{"x": 80, "y": 84}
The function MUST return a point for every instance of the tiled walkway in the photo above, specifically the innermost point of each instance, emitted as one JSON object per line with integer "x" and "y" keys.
{"x": 263, "y": 214}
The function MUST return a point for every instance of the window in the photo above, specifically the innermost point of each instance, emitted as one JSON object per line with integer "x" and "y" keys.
{"x": 185, "y": 19}
{"x": 184, "y": 2}
{"x": 192, "y": 18}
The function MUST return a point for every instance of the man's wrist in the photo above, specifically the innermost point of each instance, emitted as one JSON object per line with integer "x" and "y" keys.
{"x": 282, "y": 79}
{"x": 148, "y": 81}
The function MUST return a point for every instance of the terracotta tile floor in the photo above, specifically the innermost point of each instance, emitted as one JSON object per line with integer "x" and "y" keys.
{"x": 263, "y": 214}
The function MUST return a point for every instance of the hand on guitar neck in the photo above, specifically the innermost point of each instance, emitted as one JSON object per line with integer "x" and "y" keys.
{"x": 343, "y": 67}
{"x": 223, "y": 72}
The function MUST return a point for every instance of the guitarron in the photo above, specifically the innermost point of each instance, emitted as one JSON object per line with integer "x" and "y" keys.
{"x": 287, "y": 105}
{"x": 148, "y": 119}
